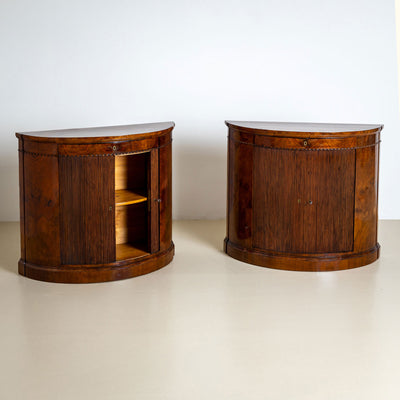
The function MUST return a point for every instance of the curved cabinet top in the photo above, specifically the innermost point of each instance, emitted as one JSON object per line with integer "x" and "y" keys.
{"x": 301, "y": 129}
{"x": 100, "y": 134}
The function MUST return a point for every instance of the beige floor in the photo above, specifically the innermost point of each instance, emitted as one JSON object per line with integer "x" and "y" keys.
{"x": 205, "y": 327}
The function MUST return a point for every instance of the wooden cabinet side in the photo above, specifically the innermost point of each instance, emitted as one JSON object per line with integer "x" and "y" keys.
{"x": 40, "y": 205}
{"x": 366, "y": 198}
{"x": 165, "y": 200}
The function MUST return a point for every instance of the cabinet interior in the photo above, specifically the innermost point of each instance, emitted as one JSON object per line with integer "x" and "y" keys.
{"x": 131, "y": 205}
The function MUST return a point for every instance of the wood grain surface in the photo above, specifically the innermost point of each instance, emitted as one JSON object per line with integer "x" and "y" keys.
{"x": 87, "y": 210}
{"x": 296, "y": 129}
{"x": 302, "y": 202}
{"x": 95, "y": 203}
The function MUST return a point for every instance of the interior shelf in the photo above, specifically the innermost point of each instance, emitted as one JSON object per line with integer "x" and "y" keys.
{"x": 124, "y": 197}
{"x": 131, "y": 222}
{"x": 131, "y": 250}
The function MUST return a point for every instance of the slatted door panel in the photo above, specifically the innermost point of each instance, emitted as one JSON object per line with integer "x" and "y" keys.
{"x": 334, "y": 200}
{"x": 87, "y": 210}
{"x": 305, "y": 200}
{"x": 278, "y": 218}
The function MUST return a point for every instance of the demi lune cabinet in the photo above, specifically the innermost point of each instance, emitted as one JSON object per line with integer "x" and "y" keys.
{"x": 95, "y": 203}
{"x": 303, "y": 196}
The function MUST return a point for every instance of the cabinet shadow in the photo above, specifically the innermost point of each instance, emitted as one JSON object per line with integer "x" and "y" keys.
{"x": 9, "y": 246}
{"x": 199, "y": 192}
{"x": 209, "y": 233}
{"x": 199, "y": 182}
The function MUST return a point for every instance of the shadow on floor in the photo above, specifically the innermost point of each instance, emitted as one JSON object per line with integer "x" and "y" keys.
{"x": 211, "y": 233}
{"x": 9, "y": 246}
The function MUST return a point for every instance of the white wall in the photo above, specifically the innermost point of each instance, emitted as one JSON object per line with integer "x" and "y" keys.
{"x": 79, "y": 63}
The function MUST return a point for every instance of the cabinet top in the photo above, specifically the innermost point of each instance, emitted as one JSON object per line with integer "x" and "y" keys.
{"x": 299, "y": 128}
{"x": 112, "y": 132}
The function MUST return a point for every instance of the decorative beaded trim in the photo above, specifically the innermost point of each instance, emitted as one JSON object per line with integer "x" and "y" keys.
{"x": 117, "y": 153}
{"x": 307, "y": 149}
{"x": 37, "y": 154}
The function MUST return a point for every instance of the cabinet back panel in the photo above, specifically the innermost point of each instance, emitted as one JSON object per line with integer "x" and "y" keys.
{"x": 131, "y": 221}
{"x": 131, "y": 171}
{"x": 304, "y": 200}
{"x": 131, "y": 224}
{"x": 87, "y": 221}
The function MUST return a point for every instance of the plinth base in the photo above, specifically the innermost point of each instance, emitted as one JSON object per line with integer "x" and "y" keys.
{"x": 97, "y": 273}
{"x": 302, "y": 262}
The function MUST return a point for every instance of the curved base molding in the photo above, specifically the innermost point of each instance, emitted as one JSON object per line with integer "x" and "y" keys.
{"x": 312, "y": 263}
{"x": 98, "y": 273}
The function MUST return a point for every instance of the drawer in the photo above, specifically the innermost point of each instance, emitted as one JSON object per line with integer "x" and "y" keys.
{"x": 110, "y": 148}
{"x": 304, "y": 143}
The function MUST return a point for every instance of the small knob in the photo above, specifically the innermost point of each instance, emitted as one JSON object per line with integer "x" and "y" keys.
{"x": 158, "y": 200}
{"x": 309, "y": 201}
{"x": 114, "y": 148}
{"x": 305, "y": 143}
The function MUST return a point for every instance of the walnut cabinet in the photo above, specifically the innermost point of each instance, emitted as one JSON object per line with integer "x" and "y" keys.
{"x": 95, "y": 203}
{"x": 303, "y": 196}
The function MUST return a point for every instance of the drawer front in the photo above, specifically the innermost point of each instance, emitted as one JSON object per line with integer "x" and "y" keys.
{"x": 111, "y": 148}
{"x": 304, "y": 142}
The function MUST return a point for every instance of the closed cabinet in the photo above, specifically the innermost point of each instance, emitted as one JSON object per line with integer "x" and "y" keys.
{"x": 95, "y": 206}
{"x": 303, "y": 196}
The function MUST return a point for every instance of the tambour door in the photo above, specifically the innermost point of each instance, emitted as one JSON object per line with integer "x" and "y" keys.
{"x": 303, "y": 201}
{"x": 87, "y": 231}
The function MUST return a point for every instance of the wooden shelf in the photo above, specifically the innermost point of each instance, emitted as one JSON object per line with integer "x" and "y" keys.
{"x": 130, "y": 250}
{"x": 125, "y": 197}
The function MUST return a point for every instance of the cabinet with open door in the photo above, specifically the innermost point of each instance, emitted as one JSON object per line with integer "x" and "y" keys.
{"x": 96, "y": 203}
